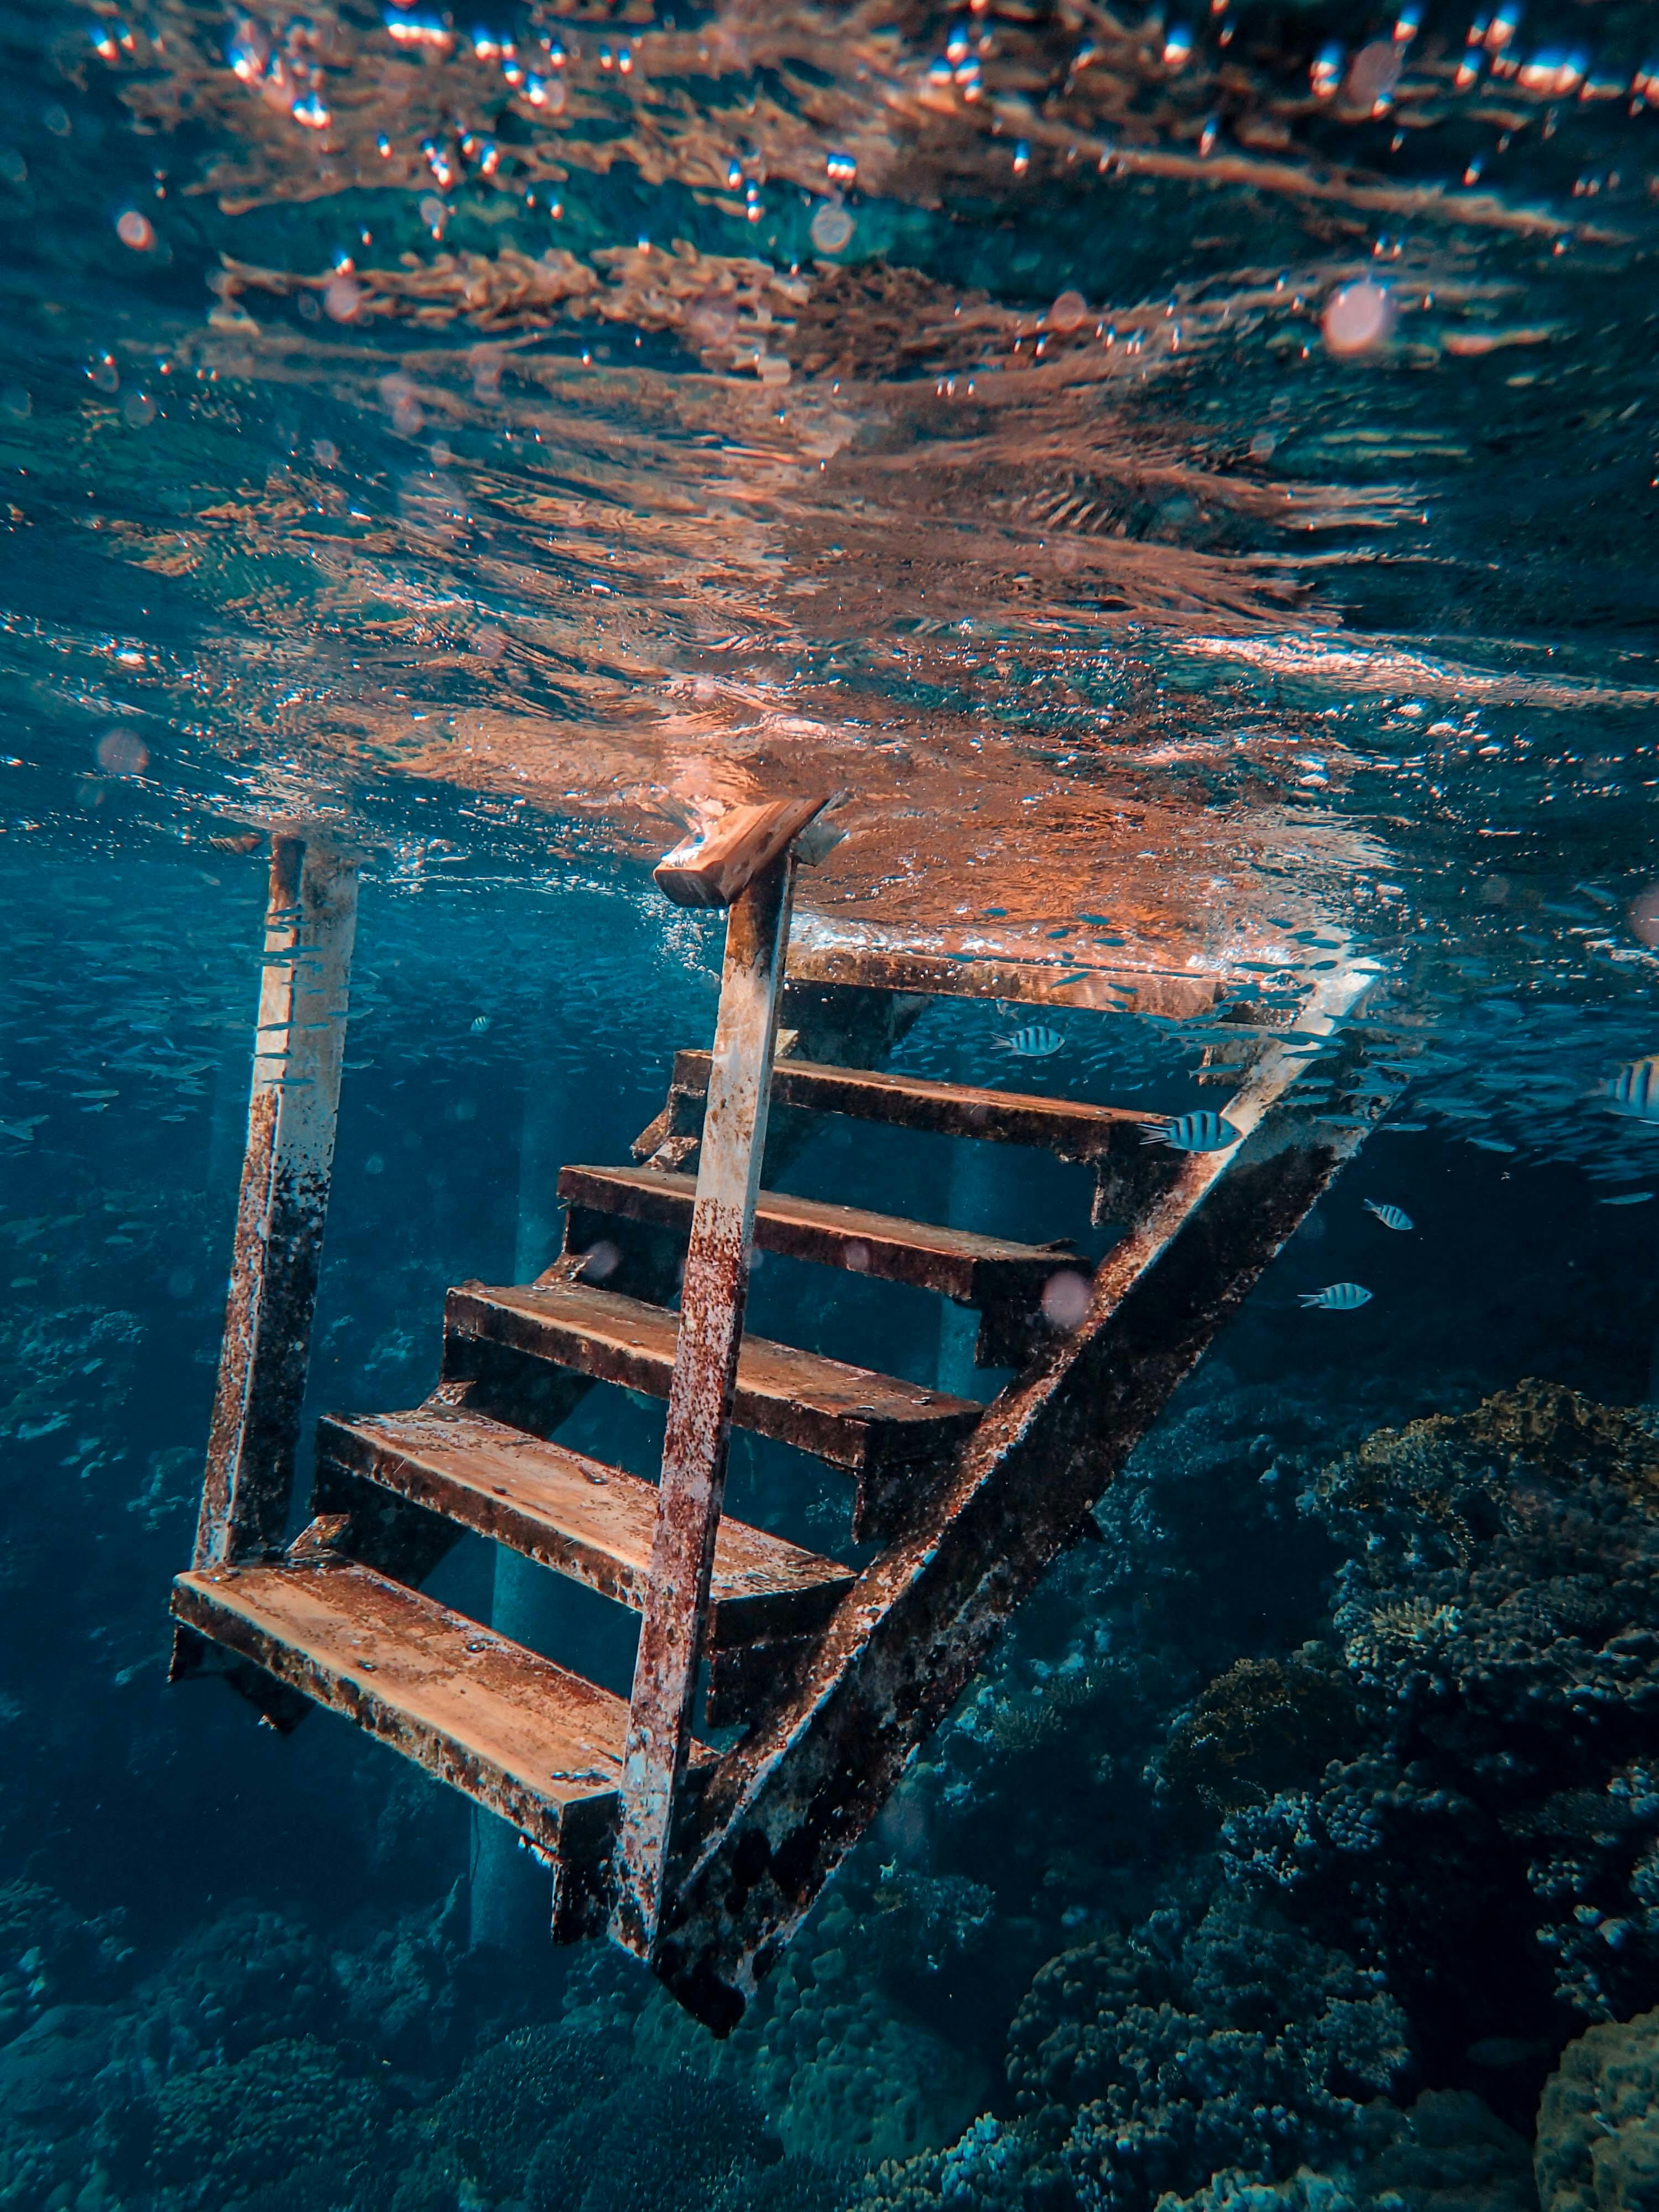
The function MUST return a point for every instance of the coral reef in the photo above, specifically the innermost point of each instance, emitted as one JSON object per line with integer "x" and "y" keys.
{"x": 1495, "y": 1845}
{"x": 1264, "y": 1725}
{"x": 220, "y": 2131}
{"x": 1598, "y": 2124}
{"x": 1147, "y": 2064}
{"x": 1447, "y": 2154}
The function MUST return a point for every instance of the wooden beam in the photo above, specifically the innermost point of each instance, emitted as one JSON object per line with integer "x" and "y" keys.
{"x": 311, "y": 921}
{"x": 713, "y": 867}
{"x": 710, "y": 1336}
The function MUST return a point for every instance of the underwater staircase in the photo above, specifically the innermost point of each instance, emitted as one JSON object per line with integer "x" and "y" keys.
{"x": 702, "y": 1860}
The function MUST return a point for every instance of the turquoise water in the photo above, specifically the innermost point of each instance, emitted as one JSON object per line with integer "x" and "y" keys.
{"x": 1191, "y": 483}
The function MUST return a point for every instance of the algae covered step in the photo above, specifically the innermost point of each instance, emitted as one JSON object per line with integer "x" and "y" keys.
{"x": 887, "y": 1433}
{"x": 571, "y": 1513}
{"x": 1005, "y": 1280}
{"x": 526, "y": 1738}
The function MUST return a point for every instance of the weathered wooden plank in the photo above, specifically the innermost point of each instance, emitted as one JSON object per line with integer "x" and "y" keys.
{"x": 954, "y": 1261}
{"x": 714, "y": 866}
{"x": 873, "y": 961}
{"x": 570, "y": 1513}
{"x": 513, "y": 1731}
{"x": 1129, "y": 1172}
{"x": 1003, "y": 1279}
{"x": 880, "y": 1428}
{"x": 310, "y": 922}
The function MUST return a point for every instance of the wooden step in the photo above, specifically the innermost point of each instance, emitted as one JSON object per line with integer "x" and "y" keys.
{"x": 1111, "y": 1139}
{"x": 1005, "y": 1280}
{"x": 889, "y": 1434}
{"x": 531, "y": 1741}
{"x": 592, "y": 1522}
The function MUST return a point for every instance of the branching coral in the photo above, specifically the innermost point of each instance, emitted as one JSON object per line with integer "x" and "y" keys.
{"x": 1264, "y": 1724}
{"x": 1241, "y": 2044}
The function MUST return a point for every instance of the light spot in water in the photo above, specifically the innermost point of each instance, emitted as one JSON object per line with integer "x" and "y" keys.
{"x": 832, "y": 227}
{"x": 1643, "y": 916}
{"x": 1069, "y": 312}
{"x": 121, "y": 751}
{"x": 135, "y": 230}
{"x": 602, "y": 1261}
{"x": 1373, "y": 73}
{"x": 1065, "y": 1298}
{"x": 1357, "y": 318}
{"x": 343, "y": 299}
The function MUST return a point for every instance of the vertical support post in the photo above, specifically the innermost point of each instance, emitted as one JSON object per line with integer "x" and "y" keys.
{"x": 310, "y": 919}
{"x": 700, "y": 1398}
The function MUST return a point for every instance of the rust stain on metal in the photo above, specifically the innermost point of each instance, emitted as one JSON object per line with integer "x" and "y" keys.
{"x": 705, "y": 1373}
{"x": 310, "y": 921}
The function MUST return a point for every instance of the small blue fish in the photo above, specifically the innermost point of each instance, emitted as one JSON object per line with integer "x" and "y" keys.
{"x": 1193, "y": 1132}
{"x": 1489, "y": 1143}
{"x": 1391, "y": 1216}
{"x": 1032, "y": 1043}
{"x": 1339, "y": 1297}
{"x": 1634, "y": 1091}
{"x": 1627, "y": 1198}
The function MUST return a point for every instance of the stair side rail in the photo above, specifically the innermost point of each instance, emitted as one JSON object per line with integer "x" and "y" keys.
{"x": 745, "y": 863}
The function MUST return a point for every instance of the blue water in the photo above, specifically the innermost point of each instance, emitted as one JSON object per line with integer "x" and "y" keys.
{"x": 1201, "y": 512}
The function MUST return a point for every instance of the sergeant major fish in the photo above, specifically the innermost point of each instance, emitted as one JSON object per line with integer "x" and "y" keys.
{"x": 1193, "y": 1132}
{"x": 1391, "y": 1216}
{"x": 1634, "y": 1091}
{"x": 1032, "y": 1043}
{"x": 1338, "y": 1297}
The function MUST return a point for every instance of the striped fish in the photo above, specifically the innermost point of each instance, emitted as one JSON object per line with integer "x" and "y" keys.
{"x": 1391, "y": 1216}
{"x": 1339, "y": 1297}
{"x": 1032, "y": 1043}
{"x": 1193, "y": 1132}
{"x": 1634, "y": 1091}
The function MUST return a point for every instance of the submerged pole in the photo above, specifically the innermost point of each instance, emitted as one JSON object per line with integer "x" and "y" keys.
{"x": 750, "y": 863}
{"x": 310, "y": 919}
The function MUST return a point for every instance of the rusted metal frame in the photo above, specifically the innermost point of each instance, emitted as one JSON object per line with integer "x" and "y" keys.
{"x": 695, "y": 1446}
{"x": 785, "y": 1806}
{"x": 310, "y": 923}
